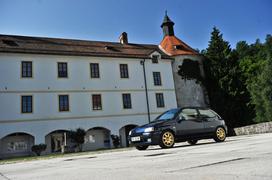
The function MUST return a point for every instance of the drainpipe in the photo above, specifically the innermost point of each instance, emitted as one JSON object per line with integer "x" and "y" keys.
{"x": 146, "y": 93}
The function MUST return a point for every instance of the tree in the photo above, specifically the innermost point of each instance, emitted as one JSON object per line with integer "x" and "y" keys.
{"x": 260, "y": 86}
{"x": 227, "y": 91}
{"x": 115, "y": 140}
{"x": 78, "y": 136}
{"x": 38, "y": 149}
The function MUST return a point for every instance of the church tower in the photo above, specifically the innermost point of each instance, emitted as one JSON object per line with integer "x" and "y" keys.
{"x": 189, "y": 91}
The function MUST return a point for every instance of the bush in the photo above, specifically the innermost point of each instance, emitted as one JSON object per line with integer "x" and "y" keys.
{"x": 78, "y": 136}
{"x": 38, "y": 149}
{"x": 115, "y": 140}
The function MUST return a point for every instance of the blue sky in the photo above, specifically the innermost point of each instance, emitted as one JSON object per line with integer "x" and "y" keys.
{"x": 105, "y": 20}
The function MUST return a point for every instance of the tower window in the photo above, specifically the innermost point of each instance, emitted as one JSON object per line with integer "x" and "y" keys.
{"x": 155, "y": 59}
{"x": 62, "y": 70}
{"x": 26, "y": 69}
{"x": 95, "y": 70}
{"x": 157, "y": 78}
{"x": 63, "y": 103}
{"x": 159, "y": 99}
{"x": 97, "y": 102}
{"x": 126, "y": 101}
{"x": 123, "y": 70}
{"x": 26, "y": 104}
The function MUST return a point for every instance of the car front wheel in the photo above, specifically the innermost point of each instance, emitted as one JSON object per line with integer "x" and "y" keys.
{"x": 167, "y": 139}
{"x": 141, "y": 148}
{"x": 220, "y": 134}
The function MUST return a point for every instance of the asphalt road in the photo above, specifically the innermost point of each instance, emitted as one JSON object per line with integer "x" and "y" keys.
{"x": 243, "y": 157}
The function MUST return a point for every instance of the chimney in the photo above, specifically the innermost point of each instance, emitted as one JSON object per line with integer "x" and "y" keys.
{"x": 123, "y": 38}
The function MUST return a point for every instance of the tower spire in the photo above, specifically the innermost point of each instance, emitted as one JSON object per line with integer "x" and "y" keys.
{"x": 167, "y": 26}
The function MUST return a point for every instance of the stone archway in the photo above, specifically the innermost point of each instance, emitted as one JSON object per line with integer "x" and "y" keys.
{"x": 97, "y": 138}
{"x": 57, "y": 140}
{"x": 16, "y": 144}
{"x": 124, "y": 132}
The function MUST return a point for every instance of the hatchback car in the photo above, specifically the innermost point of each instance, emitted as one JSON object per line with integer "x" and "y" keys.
{"x": 178, "y": 125}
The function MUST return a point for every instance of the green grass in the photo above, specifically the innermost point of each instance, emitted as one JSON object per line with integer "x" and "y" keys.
{"x": 51, "y": 156}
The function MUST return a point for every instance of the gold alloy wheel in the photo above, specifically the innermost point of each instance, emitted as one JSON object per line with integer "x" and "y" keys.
{"x": 221, "y": 134}
{"x": 168, "y": 139}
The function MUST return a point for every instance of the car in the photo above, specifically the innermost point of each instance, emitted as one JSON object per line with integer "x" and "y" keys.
{"x": 179, "y": 125}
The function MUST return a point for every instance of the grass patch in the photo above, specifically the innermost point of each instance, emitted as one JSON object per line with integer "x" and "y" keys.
{"x": 51, "y": 156}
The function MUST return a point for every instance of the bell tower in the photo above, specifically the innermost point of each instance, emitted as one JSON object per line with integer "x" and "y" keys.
{"x": 167, "y": 26}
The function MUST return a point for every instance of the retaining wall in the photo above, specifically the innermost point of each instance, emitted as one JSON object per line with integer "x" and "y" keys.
{"x": 254, "y": 129}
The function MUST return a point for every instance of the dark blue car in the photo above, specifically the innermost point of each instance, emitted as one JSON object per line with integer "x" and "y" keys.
{"x": 178, "y": 125}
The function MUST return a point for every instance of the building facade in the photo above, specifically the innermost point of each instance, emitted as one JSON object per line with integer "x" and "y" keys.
{"x": 189, "y": 91}
{"x": 51, "y": 86}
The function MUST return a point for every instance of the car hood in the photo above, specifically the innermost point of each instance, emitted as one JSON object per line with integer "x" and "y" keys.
{"x": 141, "y": 129}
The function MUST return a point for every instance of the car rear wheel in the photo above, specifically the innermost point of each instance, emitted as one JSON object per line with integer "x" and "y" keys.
{"x": 141, "y": 148}
{"x": 192, "y": 142}
{"x": 167, "y": 139}
{"x": 220, "y": 134}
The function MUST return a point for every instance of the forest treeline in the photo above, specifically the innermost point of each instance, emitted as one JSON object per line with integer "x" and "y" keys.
{"x": 239, "y": 80}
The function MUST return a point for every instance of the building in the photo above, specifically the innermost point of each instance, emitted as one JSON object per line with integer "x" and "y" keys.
{"x": 49, "y": 86}
{"x": 189, "y": 92}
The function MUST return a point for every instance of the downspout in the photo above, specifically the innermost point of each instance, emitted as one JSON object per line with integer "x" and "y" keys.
{"x": 146, "y": 92}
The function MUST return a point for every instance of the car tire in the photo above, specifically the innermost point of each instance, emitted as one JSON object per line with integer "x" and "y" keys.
{"x": 167, "y": 139}
{"x": 219, "y": 134}
{"x": 192, "y": 142}
{"x": 141, "y": 148}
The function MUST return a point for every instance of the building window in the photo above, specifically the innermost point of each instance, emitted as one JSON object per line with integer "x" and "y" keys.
{"x": 26, "y": 104}
{"x": 63, "y": 103}
{"x": 62, "y": 70}
{"x": 126, "y": 101}
{"x": 94, "y": 70}
{"x": 155, "y": 59}
{"x": 26, "y": 69}
{"x": 157, "y": 78}
{"x": 97, "y": 103}
{"x": 123, "y": 70}
{"x": 159, "y": 100}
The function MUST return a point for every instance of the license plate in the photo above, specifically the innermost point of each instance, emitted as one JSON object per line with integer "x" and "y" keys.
{"x": 137, "y": 138}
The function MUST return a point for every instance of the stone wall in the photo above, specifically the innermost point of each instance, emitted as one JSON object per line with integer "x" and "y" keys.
{"x": 254, "y": 129}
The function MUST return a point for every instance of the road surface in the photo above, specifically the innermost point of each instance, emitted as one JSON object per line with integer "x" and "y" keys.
{"x": 242, "y": 157}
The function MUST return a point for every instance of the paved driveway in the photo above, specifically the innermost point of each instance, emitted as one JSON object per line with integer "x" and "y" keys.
{"x": 243, "y": 157}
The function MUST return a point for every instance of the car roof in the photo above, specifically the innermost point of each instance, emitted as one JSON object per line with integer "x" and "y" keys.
{"x": 191, "y": 107}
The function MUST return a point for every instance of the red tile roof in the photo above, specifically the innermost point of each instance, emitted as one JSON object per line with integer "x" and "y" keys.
{"x": 56, "y": 46}
{"x": 173, "y": 46}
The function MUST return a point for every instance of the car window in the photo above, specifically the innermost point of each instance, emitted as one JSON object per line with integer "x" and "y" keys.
{"x": 189, "y": 114}
{"x": 206, "y": 113}
{"x": 167, "y": 115}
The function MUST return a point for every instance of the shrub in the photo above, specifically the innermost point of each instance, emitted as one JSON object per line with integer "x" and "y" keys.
{"x": 38, "y": 149}
{"x": 115, "y": 140}
{"x": 78, "y": 136}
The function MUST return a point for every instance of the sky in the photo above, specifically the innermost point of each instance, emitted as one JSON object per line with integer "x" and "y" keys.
{"x": 105, "y": 20}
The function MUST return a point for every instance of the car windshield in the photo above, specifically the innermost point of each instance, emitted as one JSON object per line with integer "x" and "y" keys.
{"x": 167, "y": 115}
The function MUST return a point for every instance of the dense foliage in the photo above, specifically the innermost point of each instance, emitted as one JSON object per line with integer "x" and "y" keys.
{"x": 239, "y": 81}
{"x": 78, "y": 137}
{"x": 38, "y": 149}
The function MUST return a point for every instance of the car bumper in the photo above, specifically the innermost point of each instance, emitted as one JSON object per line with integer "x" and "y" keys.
{"x": 145, "y": 139}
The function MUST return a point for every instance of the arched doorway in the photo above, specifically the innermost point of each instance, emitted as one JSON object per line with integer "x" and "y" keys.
{"x": 57, "y": 140}
{"x": 97, "y": 138}
{"x": 16, "y": 144}
{"x": 124, "y": 132}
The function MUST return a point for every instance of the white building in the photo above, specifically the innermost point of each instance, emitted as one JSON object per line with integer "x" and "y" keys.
{"x": 50, "y": 86}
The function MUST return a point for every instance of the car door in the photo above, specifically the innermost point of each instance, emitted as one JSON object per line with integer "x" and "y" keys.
{"x": 210, "y": 120}
{"x": 189, "y": 123}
